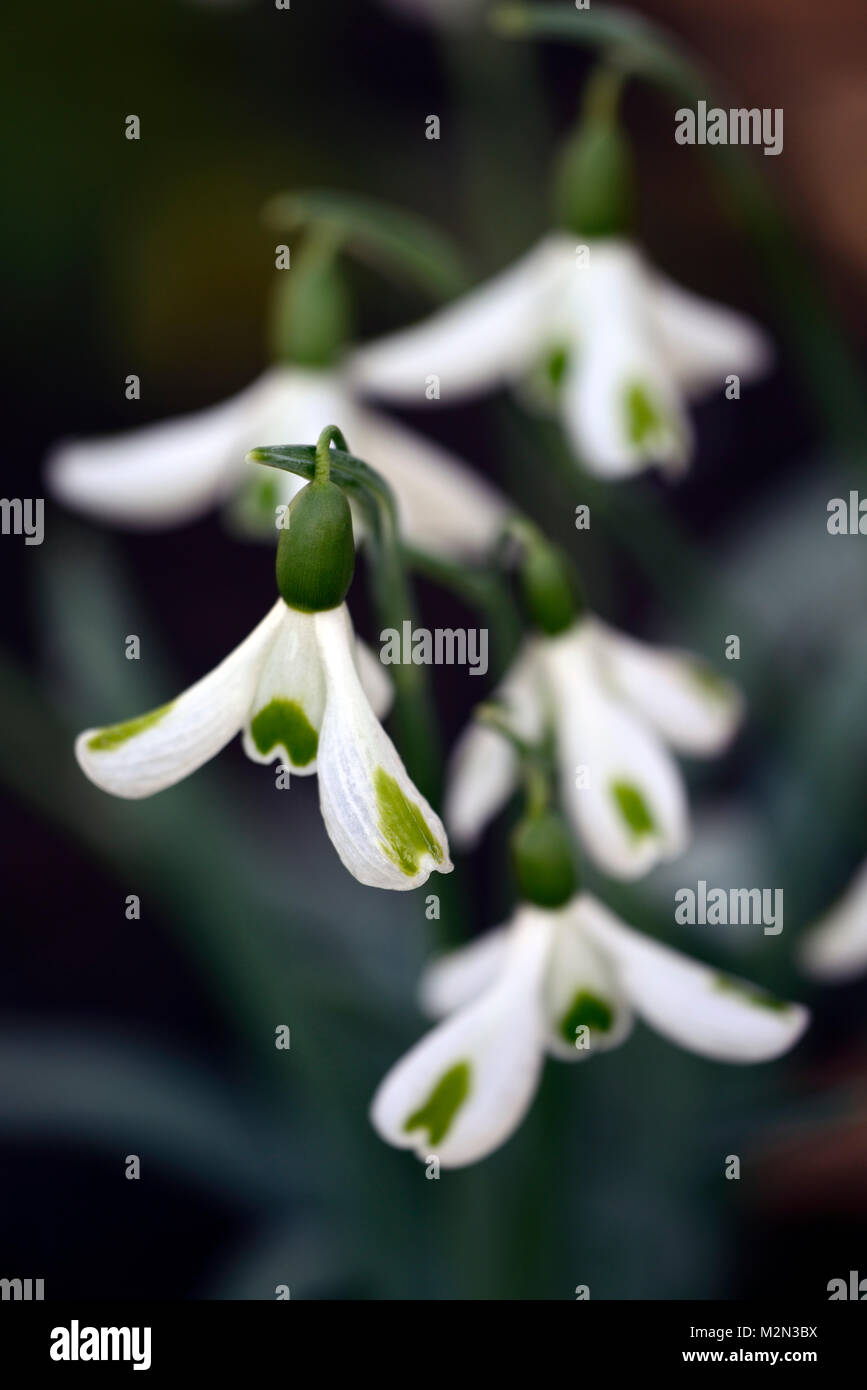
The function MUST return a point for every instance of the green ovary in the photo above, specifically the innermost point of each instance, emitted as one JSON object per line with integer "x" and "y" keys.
{"x": 586, "y": 1011}
{"x": 116, "y": 734}
{"x": 633, "y": 808}
{"x": 406, "y": 835}
{"x": 284, "y": 722}
{"x": 643, "y": 420}
{"x": 442, "y": 1104}
{"x": 751, "y": 994}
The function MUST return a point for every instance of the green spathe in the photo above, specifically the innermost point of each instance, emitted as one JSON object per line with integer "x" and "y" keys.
{"x": 633, "y": 808}
{"x": 284, "y": 722}
{"x": 316, "y": 549}
{"x": 406, "y": 835}
{"x": 117, "y": 734}
{"x": 443, "y": 1103}
{"x": 587, "y": 1010}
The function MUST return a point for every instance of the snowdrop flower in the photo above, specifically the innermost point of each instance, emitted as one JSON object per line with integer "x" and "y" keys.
{"x": 173, "y": 471}
{"x": 615, "y": 707}
{"x": 304, "y": 692}
{"x": 836, "y": 948}
{"x": 567, "y": 982}
{"x": 618, "y": 346}
{"x": 583, "y": 323}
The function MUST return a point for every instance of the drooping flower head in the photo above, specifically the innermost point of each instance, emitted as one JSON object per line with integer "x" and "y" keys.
{"x": 835, "y": 949}
{"x": 303, "y": 691}
{"x": 565, "y": 978}
{"x": 172, "y": 472}
{"x": 582, "y": 325}
{"x": 612, "y": 709}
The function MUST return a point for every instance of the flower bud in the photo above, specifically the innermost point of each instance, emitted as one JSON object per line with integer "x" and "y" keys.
{"x": 547, "y": 588}
{"x": 595, "y": 181}
{"x": 316, "y": 549}
{"x": 543, "y": 860}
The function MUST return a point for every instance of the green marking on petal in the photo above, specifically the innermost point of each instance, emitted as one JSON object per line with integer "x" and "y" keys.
{"x": 586, "y": 1011}
{"x": 633, "y": 808}
{"x": 643, "y": 420}
{"x": 751, "y": 994}
{"x": 443, "y": 1103}
{"x": 265, "y": 496}
{"x": 406, "y": 835}
{"x": 116, "y": 734}
{"x": 707, "y": 679}
{"x": 556, "y": 365}
{"x": 284, "y": 722}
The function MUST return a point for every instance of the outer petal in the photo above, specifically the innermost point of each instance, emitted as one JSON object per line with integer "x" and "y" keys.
{"x": 375, "y": 683}
{"x": 163, "y": 473}
{"x": 620, "y": 785}
{"x": 144, "y": 755}
{"x": 457, "y": 979}
{"x": 836, "y": 948}
{"x": 483, "y": 768}
{"x": 285, "y": 714}
{"x": 490, "y": 336}
{"x": 620, "y": 404}
{"x": 704, "y": 342}
{"x": 582, "y": 991}
{"x": 691, "y": 707}
{"x": 710, "y": 1013}
{"x": 443, "y": 507}
{"x": 381, "y": 826}
{"x": 462, "y": 1090}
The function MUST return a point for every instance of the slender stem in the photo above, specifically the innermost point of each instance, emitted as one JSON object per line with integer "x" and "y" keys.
{"x": 322, "y": 471}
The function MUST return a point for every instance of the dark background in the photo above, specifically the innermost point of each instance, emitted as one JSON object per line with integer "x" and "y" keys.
{"x": 155, "y": 1037}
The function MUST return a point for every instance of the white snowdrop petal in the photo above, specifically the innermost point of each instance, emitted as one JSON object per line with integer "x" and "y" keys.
{"x": 295, "y": 405}
{"x": 620, "y": 406}
{"x": 585, "y": 1007}
{"x": 375, "y": 681}
{"x": 159, "y": 474}
{"x": 466, "y": 1086}
{"x": 704, "y": 342}
{"x": 285, "y": 714}
{"x": 456, "y": 979}
{"x": 686, "y": 702}
{"x": 491, "y": 335}
{"x": 836, "y": 948}
{"x": 443, "y": 507}
{"x": 620, "y": 786}
{"x": 483, "y": 769}
{"x": 143, "y": 755}
{"x": 704, "y": 1010}
{"x": 381, "y": 826}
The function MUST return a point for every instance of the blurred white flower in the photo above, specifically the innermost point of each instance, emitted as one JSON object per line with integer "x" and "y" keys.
{"x": 614, "y": 347}
{"x": 174, "y": 471}
{"x": 304, "y": 691}
{"x": 566, "y": 983}
{"x": 613, "y": 704}
{"x": 836, "y": 947}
